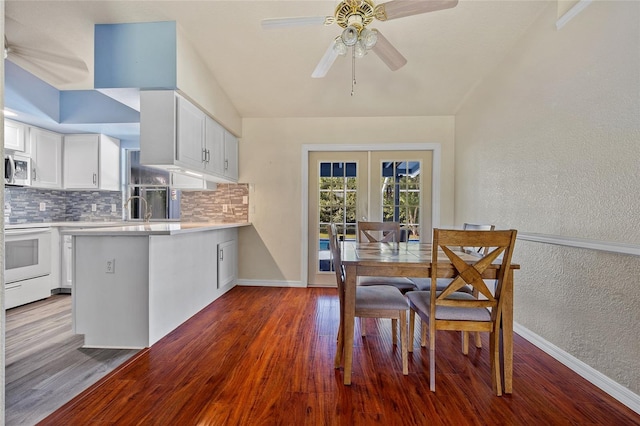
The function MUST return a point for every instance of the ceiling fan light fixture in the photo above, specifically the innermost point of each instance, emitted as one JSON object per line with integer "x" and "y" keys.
{"x": 350, "y": 36}
{"x": 369, "y": 38}
{"x": 360, "y": 49}
{"x": 339, "y": 47}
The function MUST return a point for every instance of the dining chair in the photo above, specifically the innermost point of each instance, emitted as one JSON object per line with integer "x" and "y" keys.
{"x": 442, "y": 283}
{"x": 382, "y": 232}
{"x": 451, "y": 309}
{"x": 379, "y": 301}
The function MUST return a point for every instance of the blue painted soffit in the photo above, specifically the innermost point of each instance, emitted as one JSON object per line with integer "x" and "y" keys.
{"x": 27, "y": 94}
{"x": 140, "y": 55}
{"x": 78, "y": 111}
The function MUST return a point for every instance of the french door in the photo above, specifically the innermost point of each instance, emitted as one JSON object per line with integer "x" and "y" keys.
{"x": 345, "y": 187}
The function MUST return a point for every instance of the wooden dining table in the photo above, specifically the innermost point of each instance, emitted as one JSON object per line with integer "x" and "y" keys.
{"x": 409, "y": 259}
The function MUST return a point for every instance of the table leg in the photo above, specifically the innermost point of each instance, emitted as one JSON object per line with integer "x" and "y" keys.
{"x": 349, "y": 320}
{"x": 507, "y": 331}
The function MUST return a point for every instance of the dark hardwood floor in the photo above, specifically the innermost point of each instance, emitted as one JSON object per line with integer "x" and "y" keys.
{"x": 264, "y": 356}
{"x": 46, "y": 365}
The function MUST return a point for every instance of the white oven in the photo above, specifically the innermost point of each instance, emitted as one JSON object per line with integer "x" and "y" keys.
{"x": 27, "y": 253}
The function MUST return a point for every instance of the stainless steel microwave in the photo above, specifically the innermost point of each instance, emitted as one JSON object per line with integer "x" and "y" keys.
{"x": 17, "y": 170}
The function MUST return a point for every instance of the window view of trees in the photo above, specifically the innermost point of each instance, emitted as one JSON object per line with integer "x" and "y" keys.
{"x": 338, "y": 196}
{"x": 400, "y": 186}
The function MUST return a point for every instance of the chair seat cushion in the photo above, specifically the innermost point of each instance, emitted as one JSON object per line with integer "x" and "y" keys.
{"x": 402, "y": 283}
{"x": 424, "y": 284}
{"x": 420, "y": 300}
{"x": 380, "y": 297}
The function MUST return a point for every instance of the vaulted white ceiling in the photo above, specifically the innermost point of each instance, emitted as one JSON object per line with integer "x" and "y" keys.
{"x": 268, "y": 73}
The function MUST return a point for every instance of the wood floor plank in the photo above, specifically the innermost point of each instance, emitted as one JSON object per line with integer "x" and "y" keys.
{"x": 264, "y": 356}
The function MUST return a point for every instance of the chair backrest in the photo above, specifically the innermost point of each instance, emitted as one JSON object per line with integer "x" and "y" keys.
{"x": 334, "y": 247}
{"x": 477, "y": 227}
{"x": 467, "y": 270}
{"x": 378, "y": 232}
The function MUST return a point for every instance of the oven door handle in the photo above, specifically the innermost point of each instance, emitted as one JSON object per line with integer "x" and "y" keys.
{"x": 12, "y": 232}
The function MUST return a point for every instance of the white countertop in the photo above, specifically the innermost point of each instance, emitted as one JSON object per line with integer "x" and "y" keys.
{"x": 77, "y": 224}
{"x": 154, "y": 228}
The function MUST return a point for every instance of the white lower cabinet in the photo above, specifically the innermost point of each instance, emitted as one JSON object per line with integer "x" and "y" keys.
{"x": 227, "y": 263}
{"x": 66, "y": 276}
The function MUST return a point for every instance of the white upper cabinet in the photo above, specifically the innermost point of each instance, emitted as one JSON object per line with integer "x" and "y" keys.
{"x": 190, "y": 128}
{"x": 231, "y": 156}
{"x": 178, "y": 136}
{"x": 214, "y": 147}
{"x": 91, "y": 161}
{"x": 46, "y": 158}
{"x": 14, "y": 135}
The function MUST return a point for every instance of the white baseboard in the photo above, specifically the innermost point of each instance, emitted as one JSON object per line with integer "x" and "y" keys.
{"x": 267, "y": 283}
{"x": 608, "y": 385}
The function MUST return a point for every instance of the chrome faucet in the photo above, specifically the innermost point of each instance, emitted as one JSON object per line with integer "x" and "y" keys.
{"x": 147, "y": 207}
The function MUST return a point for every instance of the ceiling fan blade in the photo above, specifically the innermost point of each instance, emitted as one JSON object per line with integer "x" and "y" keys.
{"x": 389, "y": 54}
{"x": 300, "y": 21}
{"x": 401, "y": 8}
{"x": 325, "y": 63}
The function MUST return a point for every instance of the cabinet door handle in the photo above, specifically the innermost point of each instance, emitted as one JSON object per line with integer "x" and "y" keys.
{"x": 226, "y": 164}
{"x": 33, "y": 173}
{"x": 208, "y": 155}
{"x": 204, "y": 155}
{"x": 221, "y": 254}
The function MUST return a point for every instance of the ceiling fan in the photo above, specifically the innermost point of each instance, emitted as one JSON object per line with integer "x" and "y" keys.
{"x": 54, "y": 68}
{"x": 354, "y": 16}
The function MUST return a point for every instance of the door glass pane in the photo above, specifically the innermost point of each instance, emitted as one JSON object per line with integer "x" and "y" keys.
{"x": 337, "y": 192}
{"x": 400, "y": 189}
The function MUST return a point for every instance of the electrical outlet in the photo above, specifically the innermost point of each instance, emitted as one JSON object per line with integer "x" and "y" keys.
{"x": 94, "y": 207}
{"x": 43, "y": 207}
{"x": 111, "y": 266}
{"x": 224, "y": 208}
{"x": 113, "y": 208}
{"x": 245, "y": 199}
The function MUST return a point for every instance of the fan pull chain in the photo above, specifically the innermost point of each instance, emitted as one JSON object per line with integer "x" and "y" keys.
{"x": 353, "y": 69}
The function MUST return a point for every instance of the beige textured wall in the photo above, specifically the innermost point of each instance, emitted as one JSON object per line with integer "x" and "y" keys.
{"x": 270, "y": 154}
{"x": 550, "y": 143}
{"x": 196, "y": 82}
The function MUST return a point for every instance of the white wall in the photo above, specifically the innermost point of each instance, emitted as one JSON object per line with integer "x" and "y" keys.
{"x": 270, "y": 155}
{"x": 550, "y": 143}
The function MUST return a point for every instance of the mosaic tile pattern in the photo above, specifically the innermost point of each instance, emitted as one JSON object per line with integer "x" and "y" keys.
{"x": 60, "y": 206}
{"x": 210, "y": 206}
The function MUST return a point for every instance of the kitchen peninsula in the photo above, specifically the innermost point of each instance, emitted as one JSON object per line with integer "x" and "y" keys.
{"x": 134, "y": 284}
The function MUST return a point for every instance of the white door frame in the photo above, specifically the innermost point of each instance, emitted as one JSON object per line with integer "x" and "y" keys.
{"x": 307, "y": 148}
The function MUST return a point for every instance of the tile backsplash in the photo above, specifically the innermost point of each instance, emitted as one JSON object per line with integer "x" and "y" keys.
{"x": 228, "y": 203}
{"x": 24, "y": 205}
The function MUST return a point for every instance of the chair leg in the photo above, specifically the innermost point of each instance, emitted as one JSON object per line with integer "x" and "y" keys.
{"x": 476, "y": 294}
{"x": 404, "y": 343}
{"x": 412, "y": 326}
{"x": 432, "y": 356}
{"x": 494, "y": 348}
{"x": 423, "y": 334}
{"x": 465, "y": 342}
{"x": 394, "y": 331}
{"x": 478, "y": 341}
{"x": 363, "y": 331}
{"x": 337, "y": 361}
